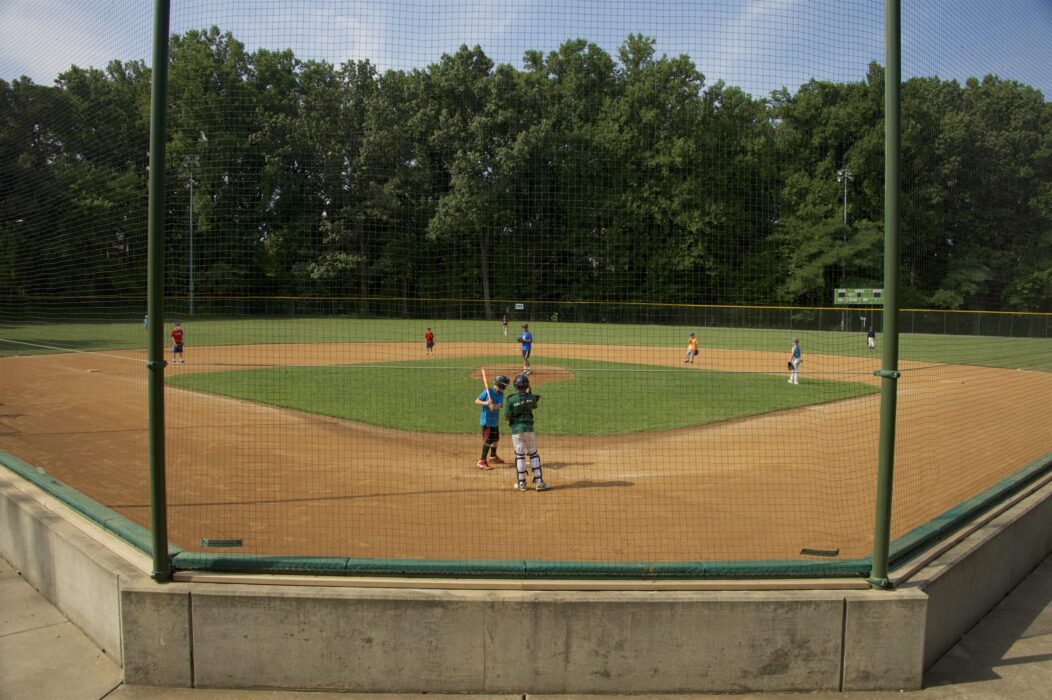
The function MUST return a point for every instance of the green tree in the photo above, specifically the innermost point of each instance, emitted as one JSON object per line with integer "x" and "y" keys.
{"x": 34, "y": 260}
{"x": 658, "y": 245}
{"x": 823, "y": 129}
{"x": 579, "y": 176}
{"x": 105, "y": 138}
{"x": 289, "y": 207}
{"x": 213, "y": 129}
{"x": 351, "y": 236}
{"x": 561, "y": 161}
{"x": 395, "y": 167}
{"x": 464, "y": 137}
{"x": 975, "y": 200}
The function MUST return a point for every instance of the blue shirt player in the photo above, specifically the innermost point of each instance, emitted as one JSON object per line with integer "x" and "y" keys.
{"x": 491, "y": 401}
{"x": 526, "y": 340}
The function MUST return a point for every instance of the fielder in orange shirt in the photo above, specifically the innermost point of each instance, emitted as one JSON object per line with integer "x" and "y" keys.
{"x": 692, "y": 349}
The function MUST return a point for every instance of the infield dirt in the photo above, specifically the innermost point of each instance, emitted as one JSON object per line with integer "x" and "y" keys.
{"x": 292, "y": 483}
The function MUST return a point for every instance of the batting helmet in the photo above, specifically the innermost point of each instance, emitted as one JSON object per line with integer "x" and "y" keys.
{"x": 522, "y": 382}
{"x": 501, "y": 381}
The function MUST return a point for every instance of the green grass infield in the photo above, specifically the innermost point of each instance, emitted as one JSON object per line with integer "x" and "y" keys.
{"x": 578, "y": 397}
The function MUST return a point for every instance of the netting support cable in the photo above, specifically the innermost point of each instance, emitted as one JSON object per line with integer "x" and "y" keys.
{"x": 890, "y": 359}
{"x": 162, "y": 567}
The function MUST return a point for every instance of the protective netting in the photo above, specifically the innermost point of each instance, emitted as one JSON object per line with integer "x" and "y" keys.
{"x": 615, "y": 179}
{"x": 976, "y": 178}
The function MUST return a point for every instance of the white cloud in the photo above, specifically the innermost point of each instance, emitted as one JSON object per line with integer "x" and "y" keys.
{"x": 754, "y": 44}
{"x": 42, "y": 38}
{"x": 774, "y": 43}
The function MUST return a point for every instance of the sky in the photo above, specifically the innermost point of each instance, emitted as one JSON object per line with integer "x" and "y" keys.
{"x": 758, "y": 45}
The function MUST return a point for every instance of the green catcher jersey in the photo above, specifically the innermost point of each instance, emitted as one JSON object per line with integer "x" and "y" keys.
{"x": 519, "y": 412}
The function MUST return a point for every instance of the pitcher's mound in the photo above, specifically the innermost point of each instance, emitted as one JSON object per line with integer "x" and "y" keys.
{"x": 542, "y": 374}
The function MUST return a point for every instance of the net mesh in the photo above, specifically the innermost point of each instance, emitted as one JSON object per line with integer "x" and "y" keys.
{"x": 619, "y": 180}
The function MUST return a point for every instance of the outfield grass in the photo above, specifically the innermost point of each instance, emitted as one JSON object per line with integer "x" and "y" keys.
{"x": 31, "y": 339}
{"x": 602, "y": 398}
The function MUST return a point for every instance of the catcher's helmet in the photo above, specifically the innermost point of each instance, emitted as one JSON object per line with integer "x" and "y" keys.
{"x": 501, "y": 381}
{"x": 522, "y": 382}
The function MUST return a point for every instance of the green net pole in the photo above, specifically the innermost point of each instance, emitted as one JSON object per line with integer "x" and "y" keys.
{"x": 889, "y": 373}
{"x": 155, "y": 292}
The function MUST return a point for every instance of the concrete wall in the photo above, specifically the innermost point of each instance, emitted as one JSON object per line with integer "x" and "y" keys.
{"x": 970, "y": 579}
{"x": 79, "y": 577}
{"x": 489, "y": 641}
{"x": 516, "y": 641}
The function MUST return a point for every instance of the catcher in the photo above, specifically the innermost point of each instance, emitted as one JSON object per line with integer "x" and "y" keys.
{"x": 519, "y": 411}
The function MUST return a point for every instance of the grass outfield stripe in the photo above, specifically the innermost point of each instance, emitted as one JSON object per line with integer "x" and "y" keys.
{"x": 594, "y": 398}
{"x": 1011, "y": 353}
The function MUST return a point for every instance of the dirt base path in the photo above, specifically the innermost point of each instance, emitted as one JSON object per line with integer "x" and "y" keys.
{"x": 290, "y": 483}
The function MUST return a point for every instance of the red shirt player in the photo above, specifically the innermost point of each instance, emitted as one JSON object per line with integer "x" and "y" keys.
{"x": 429, "y": 341}
{"x": 177, "y": 343}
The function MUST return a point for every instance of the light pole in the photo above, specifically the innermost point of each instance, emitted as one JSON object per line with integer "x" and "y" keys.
{"x": 191, "y": 164}
{"x": 845, "y": 176}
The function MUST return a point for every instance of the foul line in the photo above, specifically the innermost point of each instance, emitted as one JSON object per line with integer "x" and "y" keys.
{"x": 70, "y": 350}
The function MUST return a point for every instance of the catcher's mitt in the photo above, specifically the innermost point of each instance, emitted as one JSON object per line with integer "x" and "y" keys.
{"x": 789, "y": 365}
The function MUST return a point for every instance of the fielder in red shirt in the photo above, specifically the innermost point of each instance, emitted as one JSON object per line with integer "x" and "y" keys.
{"x": 429, "y": 341}
{"x": 177, "y": 343}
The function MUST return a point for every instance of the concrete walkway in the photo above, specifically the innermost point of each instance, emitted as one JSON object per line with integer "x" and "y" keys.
{"x": 1007, "y": 656}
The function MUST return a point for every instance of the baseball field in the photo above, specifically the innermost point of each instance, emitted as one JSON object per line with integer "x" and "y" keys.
{"x": 341, "y": 438}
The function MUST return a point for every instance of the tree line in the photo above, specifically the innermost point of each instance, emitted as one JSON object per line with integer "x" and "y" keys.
{"x": 579, "y": 176}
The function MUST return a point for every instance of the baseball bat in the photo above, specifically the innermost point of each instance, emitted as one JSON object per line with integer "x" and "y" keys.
{"x": 485, "y": 383}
